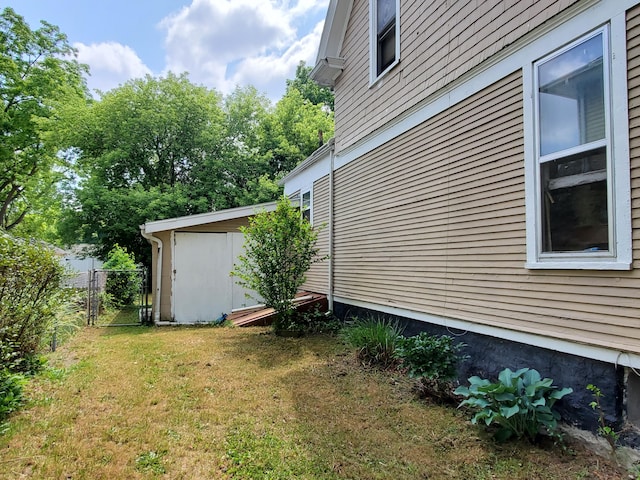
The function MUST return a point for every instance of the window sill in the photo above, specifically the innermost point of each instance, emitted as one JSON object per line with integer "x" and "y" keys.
{"x": 374, "y": 81}
{"x": 578, "y": 264}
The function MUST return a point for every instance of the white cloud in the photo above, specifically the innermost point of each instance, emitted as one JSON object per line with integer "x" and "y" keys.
{"x": 271, "y": 71}
{"x": 111, "y": 64}
{"x": 223, "y": 43}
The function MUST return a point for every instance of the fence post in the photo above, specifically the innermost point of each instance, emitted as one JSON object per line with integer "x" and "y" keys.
{"x": 89, "y": 272}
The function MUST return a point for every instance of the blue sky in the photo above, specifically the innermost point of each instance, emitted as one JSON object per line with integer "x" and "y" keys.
{"x": 221, "y": 43}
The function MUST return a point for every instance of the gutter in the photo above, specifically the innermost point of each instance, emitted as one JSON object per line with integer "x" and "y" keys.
{"x": 156, "y": 296}
{"x": 330, "y": 295}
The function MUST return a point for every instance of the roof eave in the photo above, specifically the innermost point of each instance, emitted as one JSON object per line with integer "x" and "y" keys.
{"x": 203, "y": 218}
{"x": 329, "y": 63}
{"x": 316, "y": 156}
{"x": 327, "y": 70}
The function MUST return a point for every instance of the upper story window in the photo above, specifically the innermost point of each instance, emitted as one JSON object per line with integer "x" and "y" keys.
{"x": 305, "y": 206}
{"x": 578, "y": 220}
{"x": 385, "y": 36}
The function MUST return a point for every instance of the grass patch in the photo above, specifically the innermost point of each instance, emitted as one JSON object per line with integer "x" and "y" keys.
{"x": 128, "y": 315}
{"x": 191, "y": 403}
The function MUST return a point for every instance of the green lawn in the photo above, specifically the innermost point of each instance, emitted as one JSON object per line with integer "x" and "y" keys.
{"x": 230, "y": 403}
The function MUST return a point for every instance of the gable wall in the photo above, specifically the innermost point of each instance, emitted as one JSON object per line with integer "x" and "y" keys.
{"x": 461, "y": 35}
{"x": 437, "y": 226}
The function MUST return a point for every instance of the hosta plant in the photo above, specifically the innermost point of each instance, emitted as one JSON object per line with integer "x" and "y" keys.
{"x": 520, "y": 403}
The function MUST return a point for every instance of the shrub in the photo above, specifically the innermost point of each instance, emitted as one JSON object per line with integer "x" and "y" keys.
{"x": 11, "y": 385}
{"x": 30, "y": 297}
{"x": 430, "y": 356}
{"x": 375, "y": 340}
{"x": 123, "y": 281}
{"x": 316, "y": 320}
{"x": 520, "y": 403}
{"x": 279, "y": 248}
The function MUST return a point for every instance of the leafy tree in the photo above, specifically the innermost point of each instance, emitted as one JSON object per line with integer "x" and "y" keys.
{"x": 38, "y": 74}
{"x": 147, "y": 132}
{"x": 240, "y": 174}
{"x": 309, "y": 89}
{"x": 292, "y": 131}
{"x": 279, "y": 249}
{"x": 123, "y": 281}
{"x": 137, "y": 150}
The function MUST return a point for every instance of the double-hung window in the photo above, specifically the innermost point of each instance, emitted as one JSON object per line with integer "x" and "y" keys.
{"x": 305, "y": 206}
{"x": 385, "y": 36}
{"x": 579, "y": 214}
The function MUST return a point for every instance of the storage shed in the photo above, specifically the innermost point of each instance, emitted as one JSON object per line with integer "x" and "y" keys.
{"x": 192, "y": 261}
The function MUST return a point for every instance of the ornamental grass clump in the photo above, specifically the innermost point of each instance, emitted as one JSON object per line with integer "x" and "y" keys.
{"x": 520, "y": 403}
{"x": 375, "y": 340}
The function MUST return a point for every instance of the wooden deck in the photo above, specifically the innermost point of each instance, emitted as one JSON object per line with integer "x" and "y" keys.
{"x": 262, "y": 316}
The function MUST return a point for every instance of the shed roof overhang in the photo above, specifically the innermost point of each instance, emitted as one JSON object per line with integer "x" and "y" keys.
{"x": 203, "y": 218}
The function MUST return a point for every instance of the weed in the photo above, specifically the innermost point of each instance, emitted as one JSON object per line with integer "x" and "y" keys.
{"x": 374, "y": 339}
{"x": 430, "y": 356}
{"x": 605, "y": 431}
{"x": 317, "y": 321}
{"x": 150, "y": 462}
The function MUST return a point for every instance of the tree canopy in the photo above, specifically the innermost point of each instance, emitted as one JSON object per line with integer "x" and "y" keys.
{"x": 38, "y": 74}
{"x": 161, "y": 147}
{"x": 83, "y": 169}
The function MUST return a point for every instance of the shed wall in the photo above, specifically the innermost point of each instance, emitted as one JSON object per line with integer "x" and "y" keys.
{"x": 167, "y": 261}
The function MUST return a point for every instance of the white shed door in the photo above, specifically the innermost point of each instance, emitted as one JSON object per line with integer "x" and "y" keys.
{"x": 238, "y": 293}
{"x": 202, "y": 288}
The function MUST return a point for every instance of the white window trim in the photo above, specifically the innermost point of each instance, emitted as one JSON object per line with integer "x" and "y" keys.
{"x": 309, "y": 190}
{"x": 619, "y": 184}
{"x": 373, "y": 43}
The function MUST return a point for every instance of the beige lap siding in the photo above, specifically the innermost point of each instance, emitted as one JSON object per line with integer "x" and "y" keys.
{"x": 434, "y": 221}
{"x": 440, "y": 40}
{"x": 633, "y": 58}
{"x": 318, "y": 274}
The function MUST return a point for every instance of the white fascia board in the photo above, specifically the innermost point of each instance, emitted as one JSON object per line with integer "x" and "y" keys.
{"x": 305, "y": 177}
{"x": 334, "y": 30}
{"x": 329, "y": 64}
{"x": 204, "y": 218}
{"x": 316, "y": 166}
{"x": 327, "y": 70}
{"x": 625, "y": 359}
{"x": 572, "y": 23}
{"x": 315, "y": 157}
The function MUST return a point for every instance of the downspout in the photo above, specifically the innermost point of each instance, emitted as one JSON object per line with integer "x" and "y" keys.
{"x": 331, "y": 262}
{"x": 156, "y": 297}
